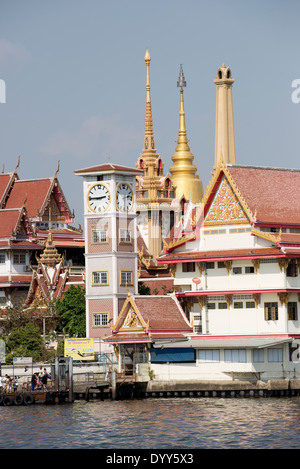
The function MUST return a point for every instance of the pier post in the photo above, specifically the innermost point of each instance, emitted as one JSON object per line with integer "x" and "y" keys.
{"x": 113, "y": 384}
{"x": 56, "y": 377}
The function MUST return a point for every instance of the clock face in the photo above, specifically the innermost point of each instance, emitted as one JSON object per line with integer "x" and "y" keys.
{"x": 98, "y": 198}
{"x": 124, "y": 197}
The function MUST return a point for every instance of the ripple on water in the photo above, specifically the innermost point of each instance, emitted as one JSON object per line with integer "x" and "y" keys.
{"x": 155, "y": 423}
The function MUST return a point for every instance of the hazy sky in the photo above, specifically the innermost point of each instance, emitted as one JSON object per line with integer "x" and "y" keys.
{"x": 75, "y": 81}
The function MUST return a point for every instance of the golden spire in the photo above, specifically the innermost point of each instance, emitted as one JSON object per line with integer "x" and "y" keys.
{"x": 149, "y": 144}
{"x": 224, "y": 132}
{"x": 50, "y": 255}
{"x": 183, "y": 172}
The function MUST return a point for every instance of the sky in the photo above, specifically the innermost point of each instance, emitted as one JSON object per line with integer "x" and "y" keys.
{"x": 73, "y": 77}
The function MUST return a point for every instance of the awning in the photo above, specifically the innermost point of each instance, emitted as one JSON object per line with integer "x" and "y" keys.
{"x": 226, "y": 343}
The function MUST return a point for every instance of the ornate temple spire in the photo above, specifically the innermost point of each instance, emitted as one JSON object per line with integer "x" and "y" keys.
{"x": 224, "y": 133}
{"x": 183, "y": 172}
{"x": 154, "y": 191}
{"x": 50, "y": 256}
{"x": 149, "y": 144}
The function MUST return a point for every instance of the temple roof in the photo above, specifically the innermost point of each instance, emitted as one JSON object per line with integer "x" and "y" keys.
{"x": 13, "y": 221}
{"x": 35, "y": 194}
{"x": 273, "y": 193}
{"x": 143, "y": 318}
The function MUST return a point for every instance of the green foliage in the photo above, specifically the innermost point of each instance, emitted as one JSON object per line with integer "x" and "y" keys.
{"x": 143, "y": 289}
{"x": 26, "y": 342}
{"x": 71, "y": 312}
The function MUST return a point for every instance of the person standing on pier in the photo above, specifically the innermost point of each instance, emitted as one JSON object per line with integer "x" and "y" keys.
{"x": 33, "y": 381}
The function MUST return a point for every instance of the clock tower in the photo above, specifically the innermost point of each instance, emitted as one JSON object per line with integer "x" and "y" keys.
{"x": 111, "y": 257}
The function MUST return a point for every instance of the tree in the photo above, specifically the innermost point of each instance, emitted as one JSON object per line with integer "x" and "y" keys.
{"x": 143, "y": 289}
{"x": 26, "y": 342}
{"x": 71, "y": 312}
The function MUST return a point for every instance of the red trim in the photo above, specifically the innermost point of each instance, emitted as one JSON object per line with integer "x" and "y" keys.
{"x": 275, "y": 225}
{"x": 235, "y": 292}
{"x": 257, "y": 336}
{"x": 129, "y": 341}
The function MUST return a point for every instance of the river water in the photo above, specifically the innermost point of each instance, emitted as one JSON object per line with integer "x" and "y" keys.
{"x": 167, "y": 423}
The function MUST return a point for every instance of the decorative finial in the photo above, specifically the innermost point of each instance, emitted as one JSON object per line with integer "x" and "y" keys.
{"x": 147, "y": 56}
{"x": 58, "y": 167}
{"x": 181, "y": 80}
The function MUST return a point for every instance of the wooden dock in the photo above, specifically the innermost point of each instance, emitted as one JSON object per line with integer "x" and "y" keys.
{"x": 33, "y": 397}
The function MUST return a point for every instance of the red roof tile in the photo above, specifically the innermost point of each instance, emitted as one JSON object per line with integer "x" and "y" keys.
{"x": 217, "y": 255}
{"x": 108, "y": 167}
{"x": 273, "y": 193}
{"x": 35, "y": 191}
{"x": 162, "y": 312}
{"x": 8, "y": 222}
{"x": 5, "y": 182}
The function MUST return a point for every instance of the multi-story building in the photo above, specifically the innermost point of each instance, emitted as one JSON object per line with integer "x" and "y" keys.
{"x": 237, "y": 276}
{"x": 25, "y": 208}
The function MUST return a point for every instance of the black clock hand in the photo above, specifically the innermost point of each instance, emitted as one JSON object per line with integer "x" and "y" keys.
{"x": 97, "y": 198}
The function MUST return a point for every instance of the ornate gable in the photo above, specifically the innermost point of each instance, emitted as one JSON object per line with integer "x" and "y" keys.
{"x": 130, "y": 318}
{"x": 226, "y": 207}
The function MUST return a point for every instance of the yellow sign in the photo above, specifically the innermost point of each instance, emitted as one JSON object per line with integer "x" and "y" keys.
{"x": 80, "y": 349}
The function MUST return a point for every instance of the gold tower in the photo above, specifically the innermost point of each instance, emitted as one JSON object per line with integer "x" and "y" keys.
{"x": 224, "y": 137}
{"x": 154, "y": 191}
{"x": 188, "y": 185}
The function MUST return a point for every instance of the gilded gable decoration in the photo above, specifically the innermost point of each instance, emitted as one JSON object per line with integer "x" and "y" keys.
{"x": 226, "y": 207}
{"x": 237, "y": 210}
{"x": 131, "y": 320}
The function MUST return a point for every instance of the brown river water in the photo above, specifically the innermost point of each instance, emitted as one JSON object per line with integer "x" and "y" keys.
{"x": 167, "y": 423}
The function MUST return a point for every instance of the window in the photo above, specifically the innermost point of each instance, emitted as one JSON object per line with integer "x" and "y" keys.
{"x": 292, "y": 311}
{"x": 2, "y": 300}
{"x": 2, "y": 258}
{"x": 250, "y": 304}
{"x": 19, "y": 258}
{"x": 292, "y": 269}
{"x": 211, "y": 305}
{"x": 188, "y": 267}
{"x": 249, "y": 269}
{"x": 125, "y": 236}
{"x": 210, "y": 265}
{"x": 197, "y": 318}
{"x": 258, "y": 356}
{"x": 100, "y": 278}
{"x": 238, "y": 304}
{"x": 275, "y": 355}
{"x": 99, "y": 236}
{"x": 221, "y": 265}
{"x": 126, "y": 277}
{"x": 222, "y": 305}
{"x": 100, "y": 319}
{"x": 237, "y": 270}
{"x": 271, "y": 311}
{"x": 235, "y": 355}
{"x": 209, "y": 355}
